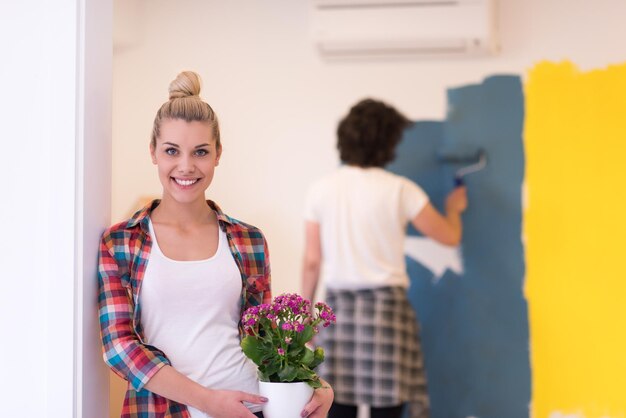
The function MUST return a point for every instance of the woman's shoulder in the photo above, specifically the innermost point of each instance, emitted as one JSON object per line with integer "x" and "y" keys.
{"x": 117, "y": 228}
{"x": 327, "y": 180}
{"x": 124, "y": 229}
{"x": 397, "y": 178}
{"x": 237, "y": 223}
{"x": 117, "y": 234}
{"x": 241, "y": 227}
{"x": 132, "y": 224}
{"x": 233, "y": 225}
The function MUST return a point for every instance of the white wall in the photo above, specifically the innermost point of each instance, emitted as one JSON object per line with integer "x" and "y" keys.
{"x": 55, "y": 131}
{"x": 279, "y": 103}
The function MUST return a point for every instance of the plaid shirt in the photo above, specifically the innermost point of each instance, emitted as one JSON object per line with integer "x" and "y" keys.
{"x": 124, "y": 254}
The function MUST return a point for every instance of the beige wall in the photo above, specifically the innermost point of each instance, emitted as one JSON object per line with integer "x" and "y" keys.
{"x": 279, "y": 103}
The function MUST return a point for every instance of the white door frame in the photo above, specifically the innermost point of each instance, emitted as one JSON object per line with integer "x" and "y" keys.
{"x": 93, "y": 198}
{"x": 55, "y": 130}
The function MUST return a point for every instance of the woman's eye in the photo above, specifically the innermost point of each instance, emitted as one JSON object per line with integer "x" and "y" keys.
{"x": 171, "y": 151}
{"x": 202, "y": 152}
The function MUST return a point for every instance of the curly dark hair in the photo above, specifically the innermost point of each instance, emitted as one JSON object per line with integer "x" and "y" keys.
{"x": 368, "y": 135}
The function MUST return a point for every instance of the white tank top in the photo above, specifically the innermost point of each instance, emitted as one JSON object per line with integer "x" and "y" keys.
{"x": 190, "y": 310}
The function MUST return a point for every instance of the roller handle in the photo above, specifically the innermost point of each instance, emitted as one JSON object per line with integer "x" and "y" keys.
{"x": 458, "y": 181}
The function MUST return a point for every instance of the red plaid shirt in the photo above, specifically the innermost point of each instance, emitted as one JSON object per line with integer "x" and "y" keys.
{"x": 124, "y": 254}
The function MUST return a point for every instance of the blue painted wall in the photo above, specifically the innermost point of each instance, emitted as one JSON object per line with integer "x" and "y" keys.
{"x": 475, "y": 326}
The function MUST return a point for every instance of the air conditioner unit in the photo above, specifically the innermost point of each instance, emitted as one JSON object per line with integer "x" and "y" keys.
{"x": 380, "y": 28}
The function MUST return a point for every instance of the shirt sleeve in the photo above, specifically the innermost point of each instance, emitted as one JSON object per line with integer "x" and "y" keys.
{"x": 122, "y": 349}
{"x": 267, "y": 295}
{"x": 413, "y": 199}
{"x": 250, "y": 248}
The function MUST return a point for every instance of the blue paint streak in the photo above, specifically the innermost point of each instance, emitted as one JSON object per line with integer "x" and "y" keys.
{"x": 475, "y": 327}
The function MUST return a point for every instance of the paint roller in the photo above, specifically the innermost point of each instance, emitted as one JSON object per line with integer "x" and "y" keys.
{"x": 472, "y": 162}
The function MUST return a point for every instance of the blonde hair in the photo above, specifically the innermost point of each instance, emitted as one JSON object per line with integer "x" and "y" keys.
{"x": 185, "y": 103}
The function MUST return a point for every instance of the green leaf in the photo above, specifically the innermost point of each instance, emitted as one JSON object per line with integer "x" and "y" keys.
{"x": 294, "y": 351}
{"x": 263, "y": 376}
{"x": 305, "y": 375}
{"x": 251, "y": 347}
{"x": 308, "y": 357}
{"x": 273, "y": 367}
{"x": 318, "y": 357}
{"x": 315, "y": 384}
{"x": 269, "y": 354}
{"x": 307, "y": 334}
{"x": 288, "y": 373}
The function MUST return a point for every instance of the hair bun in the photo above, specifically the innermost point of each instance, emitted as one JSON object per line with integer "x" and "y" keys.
{"x": 186, "y": 84}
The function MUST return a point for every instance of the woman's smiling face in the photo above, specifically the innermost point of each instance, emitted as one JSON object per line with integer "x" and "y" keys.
{"x": 186, "y": 156}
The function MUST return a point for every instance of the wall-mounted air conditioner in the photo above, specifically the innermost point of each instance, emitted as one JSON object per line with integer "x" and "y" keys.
{"x": 379, "y": 28}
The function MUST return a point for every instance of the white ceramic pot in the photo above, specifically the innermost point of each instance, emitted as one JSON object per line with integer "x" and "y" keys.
{"x": 285, "y": 400}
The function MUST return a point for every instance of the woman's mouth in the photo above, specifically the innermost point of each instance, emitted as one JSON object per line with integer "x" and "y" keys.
{"x": 185, "y": 182}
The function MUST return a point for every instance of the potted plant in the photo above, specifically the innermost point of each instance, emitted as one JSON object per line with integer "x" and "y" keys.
{"x": 277, "y": 341}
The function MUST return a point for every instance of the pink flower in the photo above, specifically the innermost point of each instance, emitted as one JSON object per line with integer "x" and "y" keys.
{"x": 279, "y": 330}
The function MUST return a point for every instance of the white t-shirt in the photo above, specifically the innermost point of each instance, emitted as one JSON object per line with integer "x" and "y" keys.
{"x": 363, "y": 215}
{"x": 190, "y": 310}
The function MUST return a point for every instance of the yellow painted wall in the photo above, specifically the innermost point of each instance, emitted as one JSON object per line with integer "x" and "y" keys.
{"x": 575, "y": 231}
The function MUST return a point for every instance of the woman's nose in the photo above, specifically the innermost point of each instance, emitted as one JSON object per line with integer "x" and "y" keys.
{"x": 186, "y": 165}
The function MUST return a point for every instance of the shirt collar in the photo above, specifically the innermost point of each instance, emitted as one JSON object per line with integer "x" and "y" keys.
{"x": 142, "y": 216}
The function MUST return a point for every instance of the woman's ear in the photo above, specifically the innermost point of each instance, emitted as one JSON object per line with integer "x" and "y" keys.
{"x": 218, "y": 155}
{"x": 153, "y": 154}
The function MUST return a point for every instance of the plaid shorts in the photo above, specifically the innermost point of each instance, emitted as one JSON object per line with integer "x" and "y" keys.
{"x": 373, "y": 352}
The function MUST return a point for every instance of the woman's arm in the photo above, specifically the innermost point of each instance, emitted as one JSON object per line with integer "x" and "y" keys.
{"x": 123, "y": 351}
{"x": 171, "y": 384}
{"x": 446, "y": 229}
{"x": 312, "y": 260}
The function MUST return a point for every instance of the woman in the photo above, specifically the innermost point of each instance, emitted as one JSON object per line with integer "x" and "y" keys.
{"x": 175, "y": 278}
{"x": 356, "y": 221}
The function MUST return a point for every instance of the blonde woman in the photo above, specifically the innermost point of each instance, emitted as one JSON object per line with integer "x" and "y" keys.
{"x": 175, "y": 278}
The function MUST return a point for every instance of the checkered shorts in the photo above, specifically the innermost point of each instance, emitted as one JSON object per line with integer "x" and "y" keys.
{"x": 373, "y": 353}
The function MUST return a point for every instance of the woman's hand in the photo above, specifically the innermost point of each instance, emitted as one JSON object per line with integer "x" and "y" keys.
{"x": 229, "y": 404}
{"x": 320, "y": 403}
{"x": 456, "y": 201}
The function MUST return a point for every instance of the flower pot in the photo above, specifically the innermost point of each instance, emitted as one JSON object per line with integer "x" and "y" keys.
{"x": 285, "y": 400}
